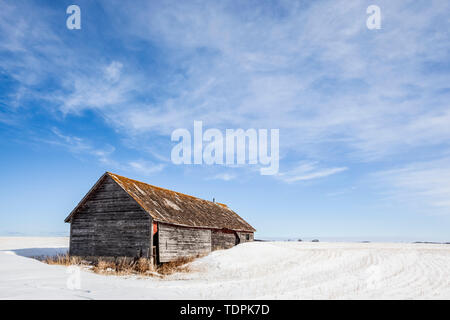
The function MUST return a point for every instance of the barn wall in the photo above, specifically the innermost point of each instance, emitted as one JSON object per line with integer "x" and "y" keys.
{"x": 221, "y": 239}
{"x": 110, "y": 223}
{"x": 177, "y": 242}
{"x": 243, "y": 236}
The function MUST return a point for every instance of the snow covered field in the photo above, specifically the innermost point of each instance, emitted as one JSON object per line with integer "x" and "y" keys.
{"x": 258, "y": 270}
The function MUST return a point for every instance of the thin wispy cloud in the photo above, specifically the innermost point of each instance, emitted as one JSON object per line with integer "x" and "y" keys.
{"x": 145, "y": 167}
{"x": 80, "y": 146}
{"x": 308, "y": 171}
{"x": 104, "y": 90}
{"x": 424, "y": 185}
{"x": 112, "y": 72}
{"x": 223, "y": 176}
{"x": 104, "y": 154}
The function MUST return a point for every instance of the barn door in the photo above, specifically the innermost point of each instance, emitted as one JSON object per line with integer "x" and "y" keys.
{"x": 237, "y": 239}
{"x": 155, "y": 243}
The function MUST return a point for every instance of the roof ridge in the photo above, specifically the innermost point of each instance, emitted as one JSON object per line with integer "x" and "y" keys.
{"x": 165, "y": 189}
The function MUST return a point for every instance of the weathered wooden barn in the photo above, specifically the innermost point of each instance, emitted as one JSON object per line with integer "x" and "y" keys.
{"x": 124, "y": 217}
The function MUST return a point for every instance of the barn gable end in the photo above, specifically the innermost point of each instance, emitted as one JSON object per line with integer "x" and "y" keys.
{"x": 108, "y": 222}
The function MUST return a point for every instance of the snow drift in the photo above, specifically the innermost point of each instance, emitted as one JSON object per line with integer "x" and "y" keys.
{"x": 258, "y": 270}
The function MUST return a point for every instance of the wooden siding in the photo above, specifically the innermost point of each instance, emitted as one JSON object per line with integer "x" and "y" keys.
{"x": 178, "y": 242}
{"x": 221, "y": 239}
{"x": 243, "y": 236}
{"x": 110, "y": 223}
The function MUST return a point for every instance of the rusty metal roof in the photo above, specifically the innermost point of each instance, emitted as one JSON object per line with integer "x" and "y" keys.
{"x": 177, "y": 208}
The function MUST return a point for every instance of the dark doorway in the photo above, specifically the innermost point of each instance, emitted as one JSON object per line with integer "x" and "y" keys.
{"x": 237, "y": 239}
{"x": 155, "y": 249}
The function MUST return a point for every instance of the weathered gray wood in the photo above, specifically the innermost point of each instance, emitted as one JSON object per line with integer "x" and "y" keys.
{"x": 178, "y": 242}
{"x": 110, "y": 223}
{"x": 243, "y": 236}
{"x": 221, "y": 239}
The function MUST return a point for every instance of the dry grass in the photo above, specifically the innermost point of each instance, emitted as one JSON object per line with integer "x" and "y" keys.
{"x": 176, "y": 266}
{"x": 123, "y": 265}
{"x": 60, "y": 259}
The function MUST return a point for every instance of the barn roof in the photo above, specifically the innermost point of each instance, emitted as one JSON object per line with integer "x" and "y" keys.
{"x": 176, "y": 208}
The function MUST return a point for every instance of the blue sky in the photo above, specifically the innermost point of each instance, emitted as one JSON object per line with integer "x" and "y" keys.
{"x": 364, "y": 115}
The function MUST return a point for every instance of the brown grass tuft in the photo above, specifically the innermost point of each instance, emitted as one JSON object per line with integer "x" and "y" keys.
{"x": 145, "y": 265}
{"x": 60, "y": 259}
{"x": 123, "y": 265}
{"x": 103, "y": 266}
{"x": 179, "y": 265}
